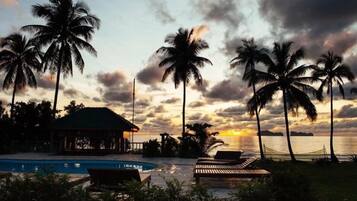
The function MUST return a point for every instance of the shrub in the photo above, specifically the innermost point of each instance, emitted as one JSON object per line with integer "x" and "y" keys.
{"x": 151, "y": 148}
{"x": 284, "y": 185}
{"x": 189, "y": 147}
{"x": 354, "y": 158}
{"x": 174, "y": 191}
{"x": 254, "y": 191}
{"x": 322, "y": 161}
{"x": 170, "y": 147}
{"x": 41, "y": 188}
{"x": 290, "y": 185}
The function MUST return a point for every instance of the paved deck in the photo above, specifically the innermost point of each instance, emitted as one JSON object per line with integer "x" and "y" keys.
{"x": 179, "y": 168}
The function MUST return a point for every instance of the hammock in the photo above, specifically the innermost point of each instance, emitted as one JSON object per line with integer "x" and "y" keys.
{"x": 272, "y": 153}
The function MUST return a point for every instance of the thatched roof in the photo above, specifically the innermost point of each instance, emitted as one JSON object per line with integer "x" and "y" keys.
{"x": 94, "y": 119}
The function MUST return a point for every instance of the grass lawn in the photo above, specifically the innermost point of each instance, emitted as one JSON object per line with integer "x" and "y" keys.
{"x": 330, "y": 182}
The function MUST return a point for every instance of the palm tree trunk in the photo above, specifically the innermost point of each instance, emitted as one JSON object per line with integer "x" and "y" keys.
{"x": 57, "y": 85}
{"x": 333, "y": 156}
{"x": 258, "y": 127}
{"x": 13, "y": 101}
{"x": 183, "y": 107}
{"x": 287, "y": 128}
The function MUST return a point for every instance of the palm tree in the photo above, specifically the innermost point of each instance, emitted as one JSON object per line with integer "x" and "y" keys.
{"x": 249, "y": 54}
{"x": 18, "y": 58}
{"x": 183, "y": 61}
{"x": 332, "y": 72}
{"x": 284, "y": 76}
{"x": 68, "y": 29}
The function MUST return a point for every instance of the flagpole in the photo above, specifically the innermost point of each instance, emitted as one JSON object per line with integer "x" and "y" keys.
{"x": 133, "y": 117}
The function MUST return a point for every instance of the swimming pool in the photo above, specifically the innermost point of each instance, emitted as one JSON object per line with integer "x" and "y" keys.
{"x": 68, "y": 166}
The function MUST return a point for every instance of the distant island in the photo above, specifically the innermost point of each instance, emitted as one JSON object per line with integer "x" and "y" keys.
{"x": 269, "y": 133}
{"x": 293, "y": 133}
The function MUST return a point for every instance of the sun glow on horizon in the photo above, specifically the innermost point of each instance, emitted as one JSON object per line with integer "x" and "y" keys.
{"x": 238, "y": 132}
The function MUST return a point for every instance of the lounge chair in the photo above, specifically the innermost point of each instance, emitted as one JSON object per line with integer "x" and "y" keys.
{"x": 222, "y": 158}
{"x": 244, "y": 163}
{"x": 229, "y": 173}
{"x": 114, "y": 179}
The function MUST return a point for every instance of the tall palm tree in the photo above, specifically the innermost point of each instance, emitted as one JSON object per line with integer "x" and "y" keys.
{"x": 332, "y": 72}
{"x": 68, "y": 29}
{"x": 284, "y": 75}
{"x": 249, "y": 54}
{"x": 183, "y": 61}
{"x": 18, "y": 58}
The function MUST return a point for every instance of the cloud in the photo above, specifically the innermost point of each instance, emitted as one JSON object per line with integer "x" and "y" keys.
{"x": 348, "y": 111}
{"x": 9, "y": 3}
{"x": 111, "y": 79}
{"x": 196, "y": 104}
{"x": 48, "y": 82}
{"x": 152, "y": 74}
{"x": 319, "y": 25}
{"x": 171, "y": 100}
{"x": 227, "y": 90}
{"x": 74, "y": 93}
{"x": 161, "y": 11}
{"x": 199, "y": 118}
{"x": 201, "y": 88}
{"x": 220, "y": 11}
{"x": 116, "y": 88}
{"x": 232, "y": 111}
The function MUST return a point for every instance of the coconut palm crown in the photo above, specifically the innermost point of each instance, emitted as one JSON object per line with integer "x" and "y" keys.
{"x": 183, "y": 61}
{"x": 284, "y": 75}
{"x": 68, "y": 28}
{"x": 19, "y": 57}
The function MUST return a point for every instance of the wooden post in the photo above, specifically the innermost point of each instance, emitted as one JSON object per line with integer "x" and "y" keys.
{"x": 122, "y": 143}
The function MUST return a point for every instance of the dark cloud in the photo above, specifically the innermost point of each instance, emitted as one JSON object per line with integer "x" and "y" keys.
{"x": 220, "y": 11}
{"x": 162, "y": 12}
{"x": 199, "y": 118}
{"x": 74, "y": 93}
{"x": 171, "y": 100}
{"x": 348, "y": 111}
{"x": 196, "y": 104}
{"x": 96, "y": 99}
{"x": 48, "y": 82}
{"x": 115, "y": 87}
{"x": 159, "y": 109}
{"x": 111, "y": 79}
{"x": 152, "y": 74}
{"x": 318, "y": 25}
{"x": 201, "y": 88}
{"x": 232, "y": 111}
{"x": 117, "y": 96}
{"x": 227, "y": 90}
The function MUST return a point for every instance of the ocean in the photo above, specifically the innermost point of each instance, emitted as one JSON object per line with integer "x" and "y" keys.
{"x": 343, "y": 145}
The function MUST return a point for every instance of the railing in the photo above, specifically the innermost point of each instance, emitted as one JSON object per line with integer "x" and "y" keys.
{"x": 136, "y": 147}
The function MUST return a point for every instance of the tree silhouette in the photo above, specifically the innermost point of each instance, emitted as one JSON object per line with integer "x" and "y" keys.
{"x": 284, "y": 76}
{"x": 18, "y": 58}
{"x": 69, "y": 28}
{"x": 183, "y": 62}
{"x": 73, "y": 107}
{"x": 332, "y": 71}
{"x": 249, "y": 54}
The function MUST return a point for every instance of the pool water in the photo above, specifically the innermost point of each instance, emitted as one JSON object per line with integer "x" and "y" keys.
{"x": 69, "y": 166}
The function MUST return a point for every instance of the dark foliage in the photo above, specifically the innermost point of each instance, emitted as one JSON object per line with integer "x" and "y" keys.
{"x": 169, "y": 147}
{"x": 41, "y": 188}
{"x": 73, "y": 107}
{"x": 151, "y": 148}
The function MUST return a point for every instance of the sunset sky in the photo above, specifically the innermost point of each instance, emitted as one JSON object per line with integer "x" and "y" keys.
{"x": 131, "y": 32}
